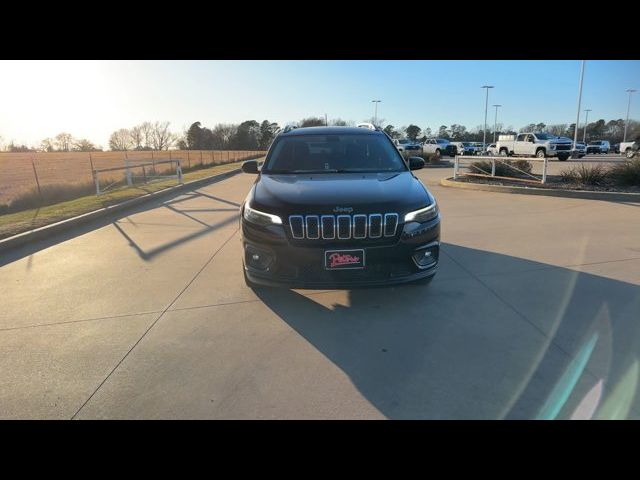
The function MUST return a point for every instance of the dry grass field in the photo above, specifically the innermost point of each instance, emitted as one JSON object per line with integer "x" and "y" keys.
{"x": 56, "y": 168}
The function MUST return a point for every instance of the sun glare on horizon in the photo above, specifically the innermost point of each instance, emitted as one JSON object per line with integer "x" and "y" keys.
{"x": 47, "y": 97}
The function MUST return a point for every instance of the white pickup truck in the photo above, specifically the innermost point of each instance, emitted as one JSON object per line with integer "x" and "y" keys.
{"x": 437, "y": 146}
{"x": 534, "y": 145}
{"x": 625, "y": 148}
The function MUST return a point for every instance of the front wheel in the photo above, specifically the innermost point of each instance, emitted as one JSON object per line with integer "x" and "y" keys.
{"x": 563, "y": 158}
{"x": 540, "y": 153}
{"x": 630, "y": 153}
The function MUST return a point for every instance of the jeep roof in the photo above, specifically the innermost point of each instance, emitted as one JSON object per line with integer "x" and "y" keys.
{"x": 330, "y": 130}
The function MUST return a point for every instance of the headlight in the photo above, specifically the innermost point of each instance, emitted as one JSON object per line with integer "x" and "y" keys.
{"x": 260, "y": 218}
{"x": 423, "y": 215}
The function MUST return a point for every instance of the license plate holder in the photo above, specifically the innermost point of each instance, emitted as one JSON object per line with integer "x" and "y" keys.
{"x": 350, "y": 259}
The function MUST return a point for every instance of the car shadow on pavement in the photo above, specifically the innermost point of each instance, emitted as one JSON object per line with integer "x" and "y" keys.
{"x": 540, "y": 342}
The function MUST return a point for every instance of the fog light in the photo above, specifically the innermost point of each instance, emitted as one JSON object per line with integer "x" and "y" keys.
{"x": 426, "y": 257}
{"x": 258, "y": 259}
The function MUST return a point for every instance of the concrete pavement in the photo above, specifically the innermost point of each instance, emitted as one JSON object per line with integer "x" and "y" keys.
{"x": 534, "y": 314}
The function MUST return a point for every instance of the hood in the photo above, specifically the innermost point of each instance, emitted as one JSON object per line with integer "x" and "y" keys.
{"x": 334, "y": 193}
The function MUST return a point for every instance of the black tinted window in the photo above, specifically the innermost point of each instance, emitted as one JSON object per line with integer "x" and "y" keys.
{"x": 329, "y": 153}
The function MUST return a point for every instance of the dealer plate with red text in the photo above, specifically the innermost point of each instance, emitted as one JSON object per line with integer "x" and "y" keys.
{"x": 344, "y": 259}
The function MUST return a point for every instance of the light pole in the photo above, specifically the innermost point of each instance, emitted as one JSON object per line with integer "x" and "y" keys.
{"x": 486, "y": 104}
{"x": 495, "y": 123}
{"x": 575, "y": 134}
{"x": 630, "y": 90}
{"x": 586, "y": 122}
{"x": 375, "y": 115}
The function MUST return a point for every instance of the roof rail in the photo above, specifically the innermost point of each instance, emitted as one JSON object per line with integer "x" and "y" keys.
{"x": 288, "y": 128}
{"x": 370, "y": 126}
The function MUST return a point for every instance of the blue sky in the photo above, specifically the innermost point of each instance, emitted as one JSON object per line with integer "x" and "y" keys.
{"x": 92, "y": 98}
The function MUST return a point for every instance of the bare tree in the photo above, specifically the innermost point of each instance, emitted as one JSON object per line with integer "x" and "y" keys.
{"x": 137, "y": 137}
{"x": 162, "y": 138}
{"x": 222, "y": 135}
{"x": 146, "y": 129}
{"x": 558, "y": 129}
{"x": 312, "y": 122}
{"x": 339, "y": 122}
{"x": 47, "y": 145}
{"x": 120, "y": 140}
{"x": 84, "y": 145}
{"x": 63, "y": 141}
{"x": 380, "y": 122}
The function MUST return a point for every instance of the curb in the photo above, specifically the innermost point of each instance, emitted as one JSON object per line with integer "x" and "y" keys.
{"x": 583, "y": 194}
{"x": 64, "y": 225}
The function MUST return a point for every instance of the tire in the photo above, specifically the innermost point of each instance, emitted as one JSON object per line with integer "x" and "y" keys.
{"x": 504, "y": 152}
{"x": 628, "y": 153}
{"x": 540, "y": 153}
{"x": 563, "y": 158}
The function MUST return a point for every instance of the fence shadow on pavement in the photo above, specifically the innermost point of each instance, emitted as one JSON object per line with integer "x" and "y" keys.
{"x": 541, "y": 342}
{"x": 169, "y": 201}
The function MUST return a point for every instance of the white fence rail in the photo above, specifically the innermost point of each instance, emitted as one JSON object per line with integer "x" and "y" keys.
{"x": 499, "y": 159}
{"x": 148, "y": 169}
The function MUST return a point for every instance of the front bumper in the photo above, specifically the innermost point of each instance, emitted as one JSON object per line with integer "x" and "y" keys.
{"x": 301, "y": 264}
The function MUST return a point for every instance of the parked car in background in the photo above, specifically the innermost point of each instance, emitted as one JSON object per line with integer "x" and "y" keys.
{"x": 581, "y": 149}
{"x": 464, "y": 148}
{"x": 536, "y": 144}
{"x": 492, "y": 150}
{"x": 625, "y": 147}
{"x": 615, "y": 148}
{"x": 479, "y": 148}
{"x": 409, "y": 146}
{"x": 436, "y": 146}
{"x": 632, "y": 151}
{"x": 598, "y": 146}
{"x": 451, "y": 149}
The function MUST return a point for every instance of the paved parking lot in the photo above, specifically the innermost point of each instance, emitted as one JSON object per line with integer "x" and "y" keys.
{"x": 533, "y": 314}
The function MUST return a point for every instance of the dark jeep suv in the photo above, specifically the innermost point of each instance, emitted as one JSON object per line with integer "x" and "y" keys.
{"x": 337, "y": 207}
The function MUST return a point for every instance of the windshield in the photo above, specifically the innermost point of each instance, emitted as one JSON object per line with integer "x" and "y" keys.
{"x": 544, "y": 136}
{"x": 333, "y": 153}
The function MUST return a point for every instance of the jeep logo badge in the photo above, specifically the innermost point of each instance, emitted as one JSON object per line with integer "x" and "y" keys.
{"x": 342, "y": 210}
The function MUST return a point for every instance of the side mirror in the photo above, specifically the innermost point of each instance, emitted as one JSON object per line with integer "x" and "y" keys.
{"x": 250, "y": 166}
{"x": 416, "y": 163}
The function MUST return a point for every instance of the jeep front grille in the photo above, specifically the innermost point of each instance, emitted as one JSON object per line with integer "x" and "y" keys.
{"x": 343, "y": 227}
